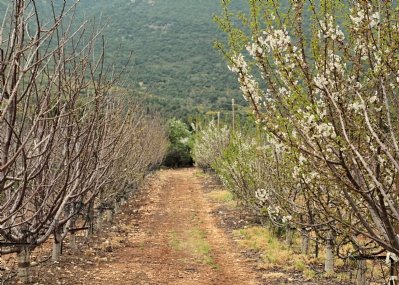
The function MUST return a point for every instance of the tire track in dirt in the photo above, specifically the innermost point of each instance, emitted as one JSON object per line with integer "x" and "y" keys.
{"x": 168, "y": 210}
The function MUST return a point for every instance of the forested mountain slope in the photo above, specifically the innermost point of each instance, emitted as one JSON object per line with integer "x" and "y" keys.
{"x": 172, "y": 43}
{"x": 173, "y": 55}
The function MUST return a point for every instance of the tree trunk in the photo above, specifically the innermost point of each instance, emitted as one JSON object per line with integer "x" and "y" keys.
{"x": 361, "y": 272}
{"x": 123, "y": 201}
{"x": 305, "y": 241}
{"x": 57, "y": 244}
{"x": 24, "y": 266}
{"x": 72, "y": 238}
{"x": 110, "y": 215}
{"x": 72, "y": 241}
{"x": 99, "y": 219}
{"x": 117, "y": 206}
{"x": 329, "y": 264}
{"x": 288, "y": 235}
{"x": 90, "y": 219}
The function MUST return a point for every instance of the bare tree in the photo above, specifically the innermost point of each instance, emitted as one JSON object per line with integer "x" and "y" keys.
{"x": 65, "y": 131}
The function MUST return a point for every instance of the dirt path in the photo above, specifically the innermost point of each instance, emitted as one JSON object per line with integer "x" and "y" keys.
{"x": 178, "y": 241}
{"x": 166, "y": 234}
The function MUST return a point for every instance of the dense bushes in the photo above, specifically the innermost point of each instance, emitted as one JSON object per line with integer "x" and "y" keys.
{"x": 180, "y": 141}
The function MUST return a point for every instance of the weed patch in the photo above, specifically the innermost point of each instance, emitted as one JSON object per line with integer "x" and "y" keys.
{"x": 200, "y": 174}
{"x": 308, "y": 274}
{"x": 274, "y": 252}
{"x": 221, "y": 196}
{"x": 174, "y": 241}
{"x": 194, "y": 242}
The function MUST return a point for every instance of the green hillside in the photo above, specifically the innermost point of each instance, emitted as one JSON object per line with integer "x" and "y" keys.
{"x": 173, "y": 54}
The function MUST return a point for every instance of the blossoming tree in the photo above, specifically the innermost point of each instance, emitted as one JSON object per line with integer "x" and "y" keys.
{"x": 326, "y": 87}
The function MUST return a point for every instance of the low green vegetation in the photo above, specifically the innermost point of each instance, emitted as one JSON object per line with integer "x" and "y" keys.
{"x": 221, "y": 196}
{"x": 308, "y": 274}
{"x": 193, "y": 242}
{"x": 200, "y": 174}
{"x": 174, "y": 240}
{"x": 300, "y": 265}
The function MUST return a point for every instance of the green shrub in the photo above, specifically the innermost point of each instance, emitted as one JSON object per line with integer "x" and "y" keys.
{"x": 180, "y": 138}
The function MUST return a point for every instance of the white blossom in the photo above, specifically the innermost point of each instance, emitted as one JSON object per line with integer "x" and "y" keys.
{"x": 373, "y": 99}
{"x": 254, "y": 49}
{"x": 286, "y": 219}
{"x": 329, "y": 30}
{"x": 301, "y": 159}
{"x": 356, "y": 106}
{"x": 320, "y": 81}
{"x": 262, "y": 195}
{"x": 375, "y": 19}
{"x": 184, "y": 140}
{"x": 357, "y": 19}
{"x": 275, "y": 40}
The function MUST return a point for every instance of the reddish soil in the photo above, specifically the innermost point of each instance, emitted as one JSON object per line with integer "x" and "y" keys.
{"x": 150, "y": 242}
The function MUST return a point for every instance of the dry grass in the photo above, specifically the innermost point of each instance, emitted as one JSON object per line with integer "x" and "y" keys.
{"x": 274, "y": 252}
{"x": 126, "y": 228}
{"x": 274, "y": 276}
{"x": 89, "y": 252}
{"x": 117, "y": 242}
